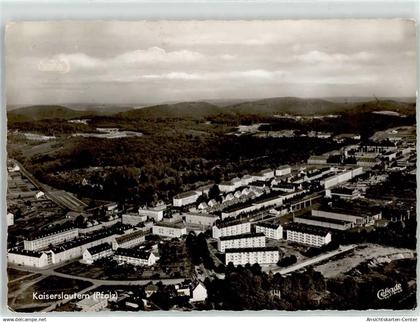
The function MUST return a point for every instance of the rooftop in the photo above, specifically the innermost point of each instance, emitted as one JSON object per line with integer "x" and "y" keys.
{"x": 308, "y": 229}
{"x": 186, "y": 194}
{"x": 131, "y": 236}
{"x": 242, "y": 236}
{"x": 267, "y": 225}
{"x": 99, "y": 248}
{"x": 135, "y": 253}
{"x": 251, "y": 250}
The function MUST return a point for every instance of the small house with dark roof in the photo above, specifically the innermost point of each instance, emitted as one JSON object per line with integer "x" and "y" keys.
{"x": 135, "y": 257}
{"x": 96, "y": 252}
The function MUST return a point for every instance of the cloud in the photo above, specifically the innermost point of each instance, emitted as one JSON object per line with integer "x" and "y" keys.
{"x": 54, "y": 65}
{"x": 316, "y": 56}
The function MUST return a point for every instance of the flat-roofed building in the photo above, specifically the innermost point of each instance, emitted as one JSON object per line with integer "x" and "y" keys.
{"x": 283, "y": 170}
{"x": 134, "y": 219}
{"x": 343, "y": 193}
{"x": 227, "y": 186}
{"x": 330, "y": 223}
{"x": 202, "y": 219}
{"x": 224, "y": 229}
{"x": 44, "y": 239}
{"x": 341, "y": 177}
{"x": 273, "y": 231}
{"x": 135, "y": 257}
{"x": 357, "y": 217}
{"x": 250, "y": 240}
{"x": 171, "y": 230}
{"x": 92, "y": 254}
{"x": 185, "y": 198}
{"x": 318, "y": 159}
{"x": 155, "y": 213}
{"x": 243, "y": 256}
{"x": 306, "y": 234}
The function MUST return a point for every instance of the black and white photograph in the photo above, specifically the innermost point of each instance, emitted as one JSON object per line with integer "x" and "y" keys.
{"x": 211, "y": 165}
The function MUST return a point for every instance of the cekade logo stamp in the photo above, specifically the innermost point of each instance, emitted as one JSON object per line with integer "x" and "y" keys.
{"x": 386, "y": 293}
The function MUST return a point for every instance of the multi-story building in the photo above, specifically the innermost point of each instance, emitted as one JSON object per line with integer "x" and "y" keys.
{"x": 250, "y": 240}
{"x": 155, "y": 213}
{"x": 243, "y": 256}
{"x": 18, "y": 256}
{"x": 202, "y": 219}
{"x": 227, "y": 186}
{"x": 135, "y": 257}
{"x": 318, "y": 159}
{"x": 43, "y": 240}
{"x": 185, "y": 198}
{"x": 134, "y": 219}
{"x": 169, "y": 229}
{"x": 129, "y": 240}
{"x": 341, "y": 177}
{"x": 309, "y": 235}
{"x": 272, "y": 231}
{"x": 283, "y": 170}
{"x": 94, "y": 253}
{"x": 230, "y": 229}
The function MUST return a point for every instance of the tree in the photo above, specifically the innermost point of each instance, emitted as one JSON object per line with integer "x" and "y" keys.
{"x": 214, "y": 192}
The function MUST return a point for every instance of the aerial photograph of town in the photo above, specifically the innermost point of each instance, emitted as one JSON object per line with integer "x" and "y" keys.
{"x": 211, "y": 165}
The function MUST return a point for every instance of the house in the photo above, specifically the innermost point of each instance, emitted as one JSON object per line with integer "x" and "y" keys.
{"x": 135, "y": 257}
{"x": 92, "y": 254}
{"x": 39, "y": 194}
{"x": 198, "y": 293}
{"x": 195, "y": 290}
{"x": 272, "y": 231}
{"x": 93, "y": 303}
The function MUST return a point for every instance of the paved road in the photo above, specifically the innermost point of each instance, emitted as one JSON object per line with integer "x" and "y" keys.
{"x": 314, "y": 260}
{"x": 51, "y": 271}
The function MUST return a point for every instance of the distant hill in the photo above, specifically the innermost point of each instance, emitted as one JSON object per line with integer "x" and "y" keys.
{"x": 290, "y": 105}
{"x": 45, "y": 112}
{"x": 41, "y": 112}
{"x": 202, "y": 110}
{"x": 192, "y": 110}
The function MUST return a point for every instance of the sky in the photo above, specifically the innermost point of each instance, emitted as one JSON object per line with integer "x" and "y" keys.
{"x": 152, "y": 62}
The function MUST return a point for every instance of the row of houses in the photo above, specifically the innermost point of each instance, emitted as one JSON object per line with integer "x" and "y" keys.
{"x": 190, "y": 197}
